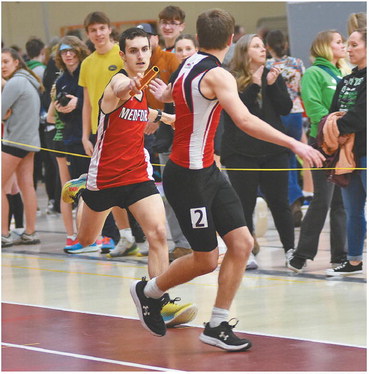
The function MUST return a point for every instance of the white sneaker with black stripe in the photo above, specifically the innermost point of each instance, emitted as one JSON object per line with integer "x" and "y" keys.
{"x": 223, "y": 337}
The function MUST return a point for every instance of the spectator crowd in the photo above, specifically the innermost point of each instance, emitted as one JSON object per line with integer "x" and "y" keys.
{"x": 51, "y": 99}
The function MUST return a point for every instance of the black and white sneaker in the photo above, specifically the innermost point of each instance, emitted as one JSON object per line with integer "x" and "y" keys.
{"x": 345, "y": 269}
{"x": 223, "y": 337}
{"x": 148, "y": 309}
{"x": 296, "y": 263}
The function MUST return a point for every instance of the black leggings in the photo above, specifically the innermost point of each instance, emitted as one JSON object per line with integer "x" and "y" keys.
{"x": 273, "y": 187}
{"x": 15, "y": 209}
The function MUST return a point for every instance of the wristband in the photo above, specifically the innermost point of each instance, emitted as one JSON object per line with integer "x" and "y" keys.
{"x": 158, "y": 117}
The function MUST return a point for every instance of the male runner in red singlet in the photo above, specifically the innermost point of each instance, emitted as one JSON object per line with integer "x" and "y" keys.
{"x": 120, "y": 173}
{"x": 204, "y": 202}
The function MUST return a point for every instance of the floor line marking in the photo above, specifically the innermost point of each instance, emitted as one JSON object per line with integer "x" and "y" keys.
{"x": 187, "y": 324}
{"x": 51, "y": 258}
{"x": 68, "y": 271}
{"x": 271, "y": 278}
{"x": 91, "y": 358}
{"x": 130, "y": 261}
{"x": 25, "y": 344}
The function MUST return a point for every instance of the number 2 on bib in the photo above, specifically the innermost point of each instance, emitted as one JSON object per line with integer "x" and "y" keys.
{"x": 199, "y": 218}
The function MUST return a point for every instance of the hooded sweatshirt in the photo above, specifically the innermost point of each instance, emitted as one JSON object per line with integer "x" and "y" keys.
{"x": 21, "y": 95}
{"x": 317, "y": 91}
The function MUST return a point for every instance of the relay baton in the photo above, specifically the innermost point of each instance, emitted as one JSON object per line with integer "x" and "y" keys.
{"x": 151, "y": 74}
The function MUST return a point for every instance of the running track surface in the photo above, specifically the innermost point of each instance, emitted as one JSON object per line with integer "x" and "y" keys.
{"x": 43, "y": 339}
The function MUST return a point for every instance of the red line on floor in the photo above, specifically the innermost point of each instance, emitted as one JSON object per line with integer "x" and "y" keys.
{"x": 124, "y": 340}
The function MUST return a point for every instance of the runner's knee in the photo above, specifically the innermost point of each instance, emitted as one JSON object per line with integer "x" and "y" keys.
{"x": 206, "y": 264}
{"x": 156, "y": 234}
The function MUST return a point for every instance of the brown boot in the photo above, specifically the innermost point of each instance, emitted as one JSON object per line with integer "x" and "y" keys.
{"x": 178, "y": 252}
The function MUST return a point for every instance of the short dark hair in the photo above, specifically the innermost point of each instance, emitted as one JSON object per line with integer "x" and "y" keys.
{"x": 214, "y": 28}
{"x": 15, "y": 47}
{"x": 172, "y": 12}
{"x": 34, "y": 46}
{"x": 188, "y": 37}
{"x": 277, "y": 41}
{"x": 74, "y": 32}
{"x": 96, "y": 17}
{"x": 90, "y": 45}
{"x": 237, "y": 29}
{"x": 130, "y": 34}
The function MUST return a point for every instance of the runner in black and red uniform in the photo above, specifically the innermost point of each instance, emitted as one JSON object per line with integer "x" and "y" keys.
{"x": 204, "y": 202}
{"x": 120, "y": 173}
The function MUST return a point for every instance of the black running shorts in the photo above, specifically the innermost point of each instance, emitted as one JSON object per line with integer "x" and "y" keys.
{"x": 122, "y": 196}
{"x": 204, "y": 202}
{"x": 14, "y": 151}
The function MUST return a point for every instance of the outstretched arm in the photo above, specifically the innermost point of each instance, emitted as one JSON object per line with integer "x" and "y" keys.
{"x": 123, "y": 87}
{"x": 221, "y": 84}
{"x": 120, "y": 88}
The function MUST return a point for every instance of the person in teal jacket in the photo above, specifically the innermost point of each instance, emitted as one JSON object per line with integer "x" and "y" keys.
{"x": 318, "y": 88}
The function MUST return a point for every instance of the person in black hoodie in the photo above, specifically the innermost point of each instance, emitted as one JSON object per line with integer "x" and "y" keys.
{"x": 265, "y": 94}
{"x": 350, "y": 97}
{"x": 65, "y": 111}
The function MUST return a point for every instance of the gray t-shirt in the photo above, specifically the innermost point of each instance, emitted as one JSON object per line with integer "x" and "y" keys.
{"x": 21, "y": 96}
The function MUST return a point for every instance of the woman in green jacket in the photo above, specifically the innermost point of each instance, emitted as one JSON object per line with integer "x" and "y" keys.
{"x": 318, "y": 87}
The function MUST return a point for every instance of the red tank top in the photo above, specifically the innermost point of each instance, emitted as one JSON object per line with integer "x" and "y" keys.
{"x": 119, "y": 156}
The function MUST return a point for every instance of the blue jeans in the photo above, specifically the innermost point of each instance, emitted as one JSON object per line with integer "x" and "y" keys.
{"x": 354, "y": 198}
{"x": 293, "y": 124}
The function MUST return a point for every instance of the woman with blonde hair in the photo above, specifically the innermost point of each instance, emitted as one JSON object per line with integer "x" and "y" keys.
{"x": 350, "y": 97}
{"x": 318, "y": 87}
{"x": 265, "y": 94}
{"x": 356, "y": 21}
{"x": 66, "y": 112}
{"x": 20, "y": 104}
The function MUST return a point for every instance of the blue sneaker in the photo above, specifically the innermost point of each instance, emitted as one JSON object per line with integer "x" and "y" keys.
{"x": 76, "y": 247}
{"x": 72, "y": 189}
{"x": 107, "y": 244}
